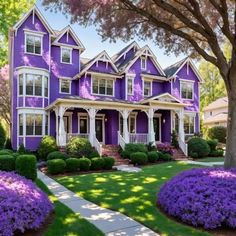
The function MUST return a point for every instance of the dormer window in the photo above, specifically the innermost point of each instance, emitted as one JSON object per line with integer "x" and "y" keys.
{"x": 66, "y": 55}
{"x": 33, "y": 44}
{"x": 147, "y": 88}
{"x": 143, "y": 63}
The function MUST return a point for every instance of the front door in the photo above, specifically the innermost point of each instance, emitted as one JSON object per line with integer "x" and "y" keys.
{"x": 99, "y": 130}
{"x": 157, "y": 128}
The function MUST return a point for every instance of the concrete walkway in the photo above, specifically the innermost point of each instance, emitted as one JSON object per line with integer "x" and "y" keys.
{"x": 210, "y": 164}
{"x": 111, "y": 223}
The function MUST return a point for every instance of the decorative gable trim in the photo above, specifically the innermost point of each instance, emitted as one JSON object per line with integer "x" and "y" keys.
{"x": 34, "y": 10}
{"x": 68, "y": 30}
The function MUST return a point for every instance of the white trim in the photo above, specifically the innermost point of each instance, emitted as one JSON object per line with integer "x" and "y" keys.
{"x": 41, "y": 43}
{"x": 106, "y": 79}
{"x": 84, "y": 114}
{"x": 111, "y": 76}
{"x": 129, "y": 77}
{"x": 133, "y": 115}
{"x": 145, "y": 62}
{"x": 27, "y": 69}
{"x": 191, "y": 114}
{"x": 180, "y": 88}
{"x": 69, "y": 115}
{"x": 67, "y": 80}
{"x": 34, "y": 32}
{"x": 187, "y": 81}
{"x": 101, "y": 117}
{"x": 66, "y": 48}
{"x": 158, "y": 115}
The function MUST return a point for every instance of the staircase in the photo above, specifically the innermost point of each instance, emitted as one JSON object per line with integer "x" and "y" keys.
{"x": 179, "y": 155}
{"x": 113, "y": 151}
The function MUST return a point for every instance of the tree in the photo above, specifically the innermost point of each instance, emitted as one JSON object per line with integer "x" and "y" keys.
{"x": 10, "y": 13}
{"x": 197, "y": 27}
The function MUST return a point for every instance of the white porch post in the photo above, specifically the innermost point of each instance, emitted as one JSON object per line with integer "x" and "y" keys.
{"x": 62, "y": 133}
{"x": 151, "y": 125}
{"x": 125, "y": 115}
{"x": 181, "y": 124}
{"x": 56, "y": 115}
{"x": 92, "y": 115}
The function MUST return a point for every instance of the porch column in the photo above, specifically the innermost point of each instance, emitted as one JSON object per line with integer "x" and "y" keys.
{"x": 56, "y": 117}
{"x": 125, "y": 115}
{"x": 62, "y": 133}
{"x": 181, "y": 124}
{"x": 151, "y": 125}
{"x": 92, "y": 115}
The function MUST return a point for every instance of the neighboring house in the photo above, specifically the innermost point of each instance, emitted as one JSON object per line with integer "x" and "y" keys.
{"x": 118, "y": 100}
{"x": 216, "y": 113}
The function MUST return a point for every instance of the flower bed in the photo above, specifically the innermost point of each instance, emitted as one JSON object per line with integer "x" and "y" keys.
{"x": 201, "y": 197}
{"x": 22, "y": 205}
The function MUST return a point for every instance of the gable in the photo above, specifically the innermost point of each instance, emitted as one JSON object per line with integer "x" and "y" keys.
{"x": 166, "y": 97}
{"x": 187, "y": 73}
{"x": 66, "y": 38}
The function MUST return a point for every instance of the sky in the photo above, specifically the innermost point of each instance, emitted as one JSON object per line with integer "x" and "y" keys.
{"x": 93, "y": 42}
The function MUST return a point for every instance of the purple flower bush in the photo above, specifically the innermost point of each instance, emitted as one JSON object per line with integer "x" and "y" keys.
{"x": 201, "y": 197}
{"x": 22, "y": 205}
{"x": 165, "y": 148}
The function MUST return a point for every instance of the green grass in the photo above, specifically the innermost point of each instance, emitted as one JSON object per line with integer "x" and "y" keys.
{"x": 133, "y": 194}
{"x": 212, "y": 159}
{"x": 66, "y": 222}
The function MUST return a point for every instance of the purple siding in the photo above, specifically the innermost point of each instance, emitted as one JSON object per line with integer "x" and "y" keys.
{"x": 70, "y": 40}
{"x": 142, "y": 123}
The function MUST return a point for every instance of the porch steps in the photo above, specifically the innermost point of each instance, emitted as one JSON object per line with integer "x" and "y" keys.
{"x": 179, "y": 155}
{"x": 113, "y": 151}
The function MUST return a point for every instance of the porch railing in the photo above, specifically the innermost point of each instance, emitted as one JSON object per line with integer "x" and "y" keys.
{"x": 121, "y": 140}
{"x": 97, "y": 145}
{"x": 138, "y": 138}
{"x": 183, "y": 146}
{"x": 71, "y": 135}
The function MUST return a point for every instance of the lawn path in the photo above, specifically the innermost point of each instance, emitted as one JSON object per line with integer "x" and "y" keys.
{"x": 111, "y": 223}
{"x": 210, "y": 164}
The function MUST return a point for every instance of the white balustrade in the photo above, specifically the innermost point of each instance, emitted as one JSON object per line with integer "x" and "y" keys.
{"x": 183, "y": 146}
{"x": 71, "y": 135}
{"x": 121, "y": 141}
{"x": 97, "y": 145}
{"x": 138, "y": 138}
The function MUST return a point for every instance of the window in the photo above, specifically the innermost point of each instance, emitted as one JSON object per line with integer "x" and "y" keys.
{"x": 130, "y": 85}
{"x": 189, "y": 124}
{"x": 33, "y": 85}
{"x": 46, "y": 125}
{"x": 147, "y": 88}
{"x": 83, "y": 125}
{"x": 132, "y": 123}
{"x": 46, "y": 86}
{"x": 103, "y": 86}
{"x": 20, "y": 124}
{"x": 34, "y": 124}
{"x": 66, "y": 54}
{"x": 21, "y": 79}
{"x": 65, "y": 86}
{"x": 33, "y": 44}
{"x": 186, "y": 90}
{"x": 176, "y": 123}
{"x": 143, "y": 63}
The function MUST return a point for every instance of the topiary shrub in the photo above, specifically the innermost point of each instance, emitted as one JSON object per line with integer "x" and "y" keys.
{"x": 8, "y": 144}
{"x": 125, "y": 154}
{"x": 6, "y": 152}
{"x": 72, "y": 164}
{"x": 198, "y": 147}
{"x": 166, "y": 157}
{"x": 26, "y": 166}
{"x": 139, "y": 158}
{"x": 152, "y": 156}
{"x": 108, "y": 163}
{"x": 84, "y": 164}
{"x": 94, "y": 153}
{"x": 2, "y": 136}
{"x": 135, "y": 147}
{"x": 97, "y": 163}
{"x": 48, "y": 144}
{"x": 56, "y": 166}
{"x": 202, "y": 197}
{"x": 24, "y": 206}
{"x": 212, "y": 144}
{"x": 7, "y": 163}
{"x": 56, "y": 155}
{"x": 217, "y": 132}
{"x": 21, "y": 150}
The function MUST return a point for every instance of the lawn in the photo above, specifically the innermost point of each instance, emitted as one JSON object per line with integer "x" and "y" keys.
{"x": 66, "y": 222}
{"x": 133, "y": 194}
{"x": 212, "y": 159}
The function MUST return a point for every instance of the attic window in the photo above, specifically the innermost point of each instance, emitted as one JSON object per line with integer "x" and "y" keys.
{"x": 143, "y": 63}
{"x": 66, "y": 55}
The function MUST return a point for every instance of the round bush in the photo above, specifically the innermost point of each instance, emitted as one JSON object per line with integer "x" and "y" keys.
{"x": 26, "y": 166}
{"x": 93, "y": 153}
{"x": 72, "y": 164}
{"x": 56, "y": 155}
{"x": 6, "y": 152}
{"x": 23, "y": 205}
{"x": 139, "y": 158}
{"x": 7, "y": 162}
{"x": 218, "y": 132}
{"x": 108, "y": 163}
{"x": 125, "y": 154}
{"x": 56, "y": 166}
{"x": 79, "y": 146}
{"x": 198, "y": 147}
{"x": 84, "y": 164}
{"x": 152, "y": 156}
{"x": 212, "y": 144}
{"x": 135, "y": 147}
{"x": 48, "y": 144}
{"x": 201, "y": 197}
{"x": 97, "y": 163}
{"x": 166, "y": 157}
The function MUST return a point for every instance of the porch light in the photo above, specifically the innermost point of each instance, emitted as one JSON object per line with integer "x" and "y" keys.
{"x": 105, "y": 119}
{"x": 164, "y": 121}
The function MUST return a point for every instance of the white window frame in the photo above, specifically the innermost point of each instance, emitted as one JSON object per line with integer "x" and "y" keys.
{"x": 101, "y": 78}
{"x": 67, "y": 48}
{"x": 187, "y": 82}
{"x": 193, "y": 116}
{"x": 143, "y": 58}
{"x": 65, "y": 79}
{"x": 130, "y": 77}
{"x": 40, "y": 35}
{"x": 133, "y": 115}
{"x": 149, "y": 81}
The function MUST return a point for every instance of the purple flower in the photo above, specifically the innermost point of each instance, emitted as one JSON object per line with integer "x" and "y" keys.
{"x": 23, "y": 205}
{"x": 165, "y": 148}
{"x": 201, "y": 197}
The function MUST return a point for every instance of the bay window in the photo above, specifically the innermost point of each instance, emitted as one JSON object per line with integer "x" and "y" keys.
{"x": 189, "y": 124}
{"x": 103, "y": 86}
{"x": 186, "y": 90}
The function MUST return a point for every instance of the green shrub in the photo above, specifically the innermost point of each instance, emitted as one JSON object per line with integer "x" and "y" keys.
{"x": 94, "y": 153}
{"x": 218, "y": 132}
{"x": 152, "y": 156}
{"x": 198, "y": 147}
{"x": 160, "y": 155}
{"x": 6, "y": 152}
{"x": 7, "y": 163}
{"x": 212, "y": 144}
{"x": 8, "y": 144}
{"x": 166, "y": 157}
{"x": 135, "y": 147}
{"x": 108, "y": 163}
{"x": 26, "y": 166}
{"x": 56, "y": 155}
{"x": 21, "y": 150}
{"x": 56, "y": 166}
{"x": 78, "y": 146}
{"x": 125, "y": 154}
{"x": 84, "y": 164}
{"x": 174, "y": 139}
{"x": 48, "y": 144}
{"x": 139, "y": 158}
{"x": 97, "y": 163}
{"x": 217, "y": 153}
{"x": 72, "y": 164}
{"x": 2, "y": 136}
{"x": 151, "y": 147}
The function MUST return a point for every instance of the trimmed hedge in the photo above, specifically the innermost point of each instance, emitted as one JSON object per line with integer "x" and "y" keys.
{"x": 7, "y": 163}
{"x": 212, "y": 144}
{"x": 84, "y": 164}
{"x": 198, "y": 147}
{"x": 136, "y": 147}
{"x": 97, "y": 163}
{"x": 79, "y": 147}
{"x": 26, "y": 166}
{"x": 21, "y": 150}
{"x": 48, "y": 144}
{"x": 152, "y": 156}
{"x": 56, "y": 155}
{"x": 166, "y": 157}
{"x": 6, "y": 152}
{"x": 139, "y": 158}
{"x": 125, "y": 154}
{"x": 56, "y": 166}
{"x": 93, "y": 153}
{"x": 72, "y": 164}
{"x": 218, "y": 132}
{"x": 108, "y": 163}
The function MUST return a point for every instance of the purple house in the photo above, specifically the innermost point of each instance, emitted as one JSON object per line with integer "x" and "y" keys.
{"x": 127, "y": 98}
